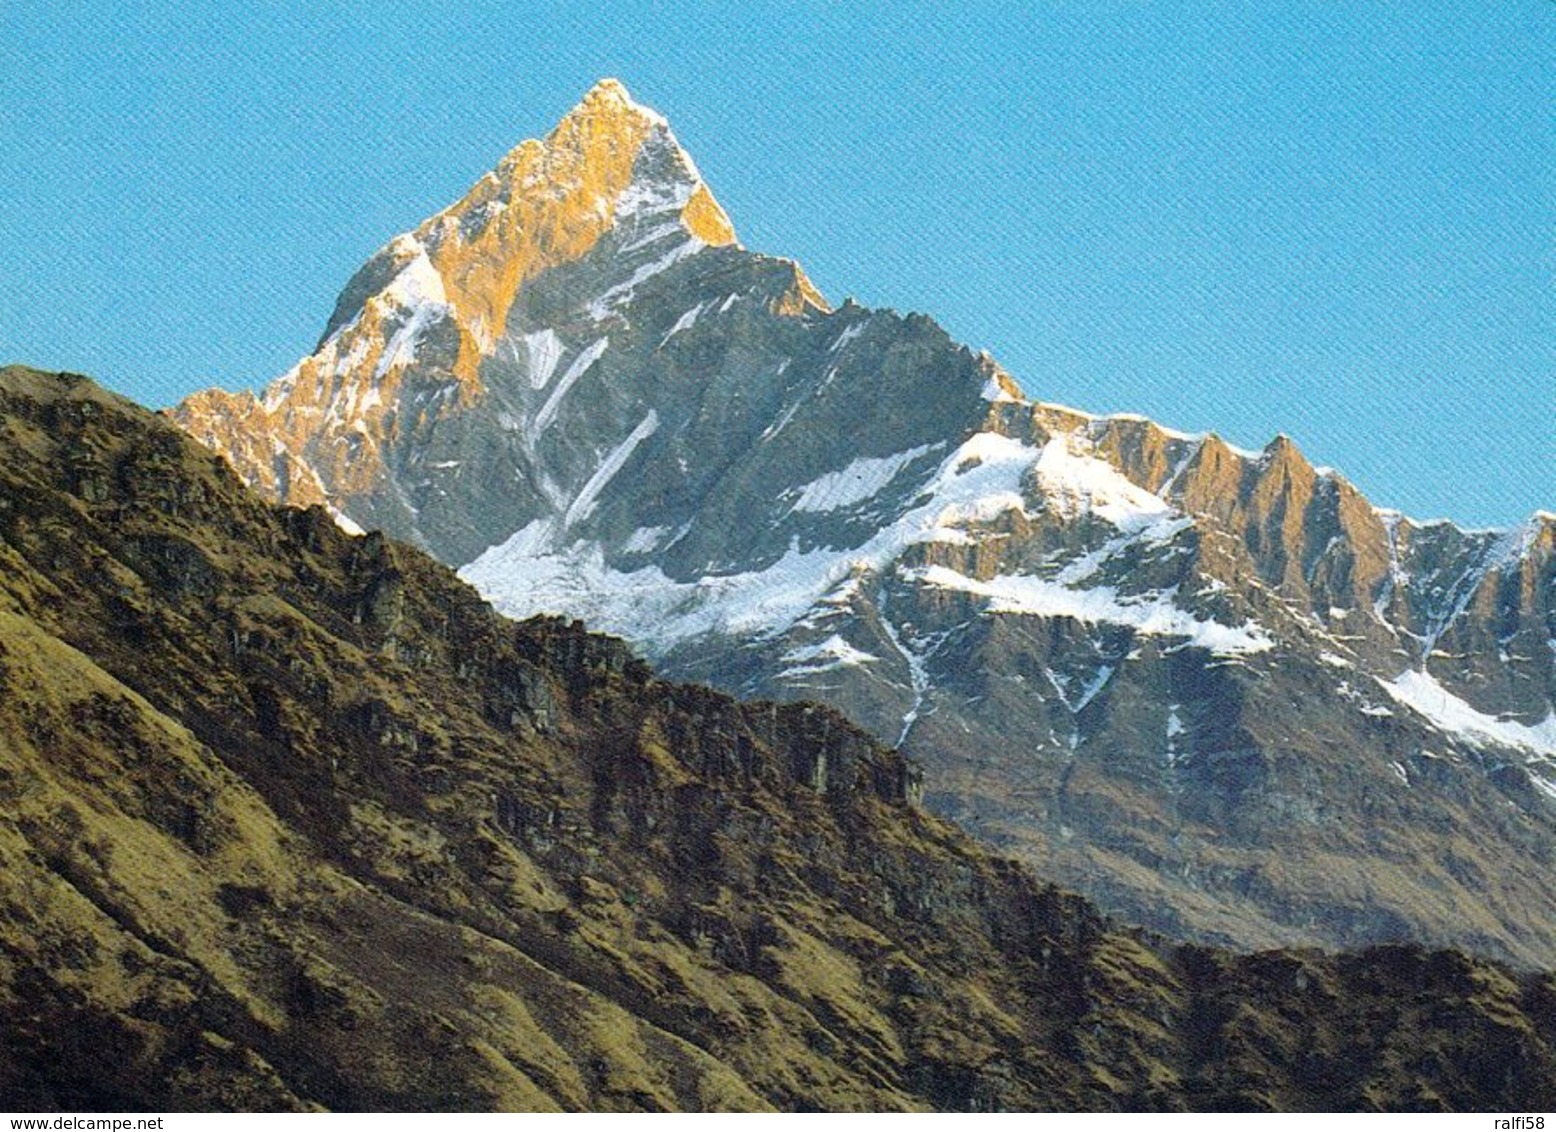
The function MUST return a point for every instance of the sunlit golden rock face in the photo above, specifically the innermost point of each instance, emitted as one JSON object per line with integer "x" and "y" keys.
{"x": 802, "y": 295}
{"x": 548, "y": 203}
{"x": 436, "y": 300}
{"x": 706, "y": 220}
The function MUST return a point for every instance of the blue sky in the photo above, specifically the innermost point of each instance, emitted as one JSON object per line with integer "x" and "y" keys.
{"x": 1333, "y": 220}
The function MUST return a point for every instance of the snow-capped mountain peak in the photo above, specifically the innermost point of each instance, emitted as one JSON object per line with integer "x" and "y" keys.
{"x": 609, "y": 185}
{"x": 1151, "y": 661}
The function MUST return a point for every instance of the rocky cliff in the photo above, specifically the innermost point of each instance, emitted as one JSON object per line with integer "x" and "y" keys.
{"x": 1216, "y": 690}
{"x": 295, "y": 821}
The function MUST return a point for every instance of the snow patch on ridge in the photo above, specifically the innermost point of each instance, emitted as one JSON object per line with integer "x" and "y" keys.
{"x": 344, "y": 521}
{"x": 1075, "y": 482}
{"x": 417, "y": 289}
{"x": 1153, "y": 614}
{"x": 834, "y": 652}
{"x": 1421, "y": 691}
{"x": 861, "y": 480}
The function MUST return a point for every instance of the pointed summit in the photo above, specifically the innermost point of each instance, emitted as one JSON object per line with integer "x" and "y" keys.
{"x": 609, "y": 184}
{"x": 610, "y": 163}
{"x": 608, "y": 125}
{"x": 612, "y": 95}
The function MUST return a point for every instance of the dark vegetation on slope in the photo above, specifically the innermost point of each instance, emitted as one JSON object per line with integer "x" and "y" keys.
{"x": 293, "y": 820}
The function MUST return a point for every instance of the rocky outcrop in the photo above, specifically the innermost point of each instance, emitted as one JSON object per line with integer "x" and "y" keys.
{"x": 295, "y": 821}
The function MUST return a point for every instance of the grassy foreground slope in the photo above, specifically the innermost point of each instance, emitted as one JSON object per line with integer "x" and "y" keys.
{"x": 292, "y": 820}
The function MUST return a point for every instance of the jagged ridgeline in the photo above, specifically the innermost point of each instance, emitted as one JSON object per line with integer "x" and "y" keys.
{"x": 293, "y": 820}
{"x": 1217, "y": 691}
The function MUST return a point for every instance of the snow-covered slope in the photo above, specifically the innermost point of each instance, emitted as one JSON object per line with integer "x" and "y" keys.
{"x": 540, "y": 570}
{"x": 1217, "y": 690}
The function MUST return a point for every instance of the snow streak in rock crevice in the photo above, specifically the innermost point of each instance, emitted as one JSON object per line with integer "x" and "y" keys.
{"x": 542, "y": 352}
{"x": 577, "y": 369}
{"x": 583, "y": 506}
{"x": 918, "y": 669}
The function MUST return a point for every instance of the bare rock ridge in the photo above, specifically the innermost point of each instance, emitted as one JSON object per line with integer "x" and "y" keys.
{"x": 1216, "y": 690}
{"x": 295, "y": 821}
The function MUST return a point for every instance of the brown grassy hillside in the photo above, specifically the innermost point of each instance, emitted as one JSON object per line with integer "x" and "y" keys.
{"x": 291, "y": 820}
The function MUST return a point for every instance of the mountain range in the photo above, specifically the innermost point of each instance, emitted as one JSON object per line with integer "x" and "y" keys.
{"x": 1217, "y": 691}
{"x": 295, "y": 821}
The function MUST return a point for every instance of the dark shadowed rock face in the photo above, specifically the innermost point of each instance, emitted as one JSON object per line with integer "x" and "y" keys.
{"x": 294, "y": 820}
{"x": 1218, "y": 691}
